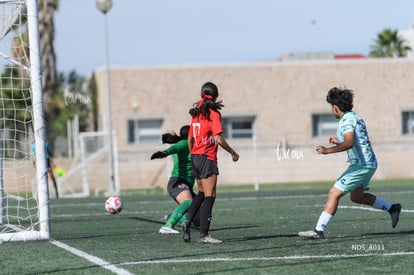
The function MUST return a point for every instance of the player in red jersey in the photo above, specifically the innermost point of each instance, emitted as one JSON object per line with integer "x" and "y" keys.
{"x": 203, "y": 140}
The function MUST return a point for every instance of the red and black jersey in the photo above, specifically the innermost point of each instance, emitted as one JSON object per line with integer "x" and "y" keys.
{"x": 203, "y": 130}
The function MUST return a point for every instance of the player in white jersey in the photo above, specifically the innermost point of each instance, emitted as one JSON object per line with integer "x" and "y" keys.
{"x": 352, "y": 137}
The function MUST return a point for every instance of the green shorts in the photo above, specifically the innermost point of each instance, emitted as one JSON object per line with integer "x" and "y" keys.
{"x": 355, "y": 176}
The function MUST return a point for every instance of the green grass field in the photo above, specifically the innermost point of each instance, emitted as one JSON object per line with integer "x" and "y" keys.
{"x": 259, "y": 230}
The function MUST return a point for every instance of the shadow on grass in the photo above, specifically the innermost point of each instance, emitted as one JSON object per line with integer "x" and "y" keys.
{"x": 147, "y": 220}
{"x": 262, "y": 237}
{"x": 216, "y": 229}
{"x": 250, "y": 238}
{"x": 88, "y": 269}
{"x": 389, "y": 234}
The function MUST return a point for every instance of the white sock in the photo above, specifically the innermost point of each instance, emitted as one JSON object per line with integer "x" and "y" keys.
{"x": 323, "y": 221}
{"x": 381, "y": 204}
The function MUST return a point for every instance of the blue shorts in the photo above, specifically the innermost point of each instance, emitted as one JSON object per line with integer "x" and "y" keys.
{"x": 355, "y": 176}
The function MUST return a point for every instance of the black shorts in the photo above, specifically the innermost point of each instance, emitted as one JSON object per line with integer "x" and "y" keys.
{"x": 177, "y": 185}
{"x": 203, "y": 168}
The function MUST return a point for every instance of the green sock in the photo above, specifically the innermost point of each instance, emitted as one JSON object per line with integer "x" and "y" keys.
{"x": 182, "y": 219}
{"x": 178, "y": 213}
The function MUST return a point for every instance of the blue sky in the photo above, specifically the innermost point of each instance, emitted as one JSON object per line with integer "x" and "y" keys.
{"x": 155, "y": 32}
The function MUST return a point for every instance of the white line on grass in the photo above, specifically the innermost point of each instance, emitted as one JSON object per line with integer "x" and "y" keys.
{"x": 283, "y": 258}
{"x": 156, "y": 212}
{"x": 91, "y": 258}
{"x": 249, "y": 198}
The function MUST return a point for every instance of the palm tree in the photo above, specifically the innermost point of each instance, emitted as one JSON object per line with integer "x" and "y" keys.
{"x": 47, "y": 9}
{"x": 389, "y": 44}
{"x": 15, "y": 94}
{"x": 47, "y": 53}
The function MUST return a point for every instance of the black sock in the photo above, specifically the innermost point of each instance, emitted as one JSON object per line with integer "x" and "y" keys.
{"x": 205, "y": 215}
{"x": 195, "y": 205}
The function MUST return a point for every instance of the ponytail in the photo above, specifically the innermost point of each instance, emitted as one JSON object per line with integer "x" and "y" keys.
{"x": 209, "y": 94}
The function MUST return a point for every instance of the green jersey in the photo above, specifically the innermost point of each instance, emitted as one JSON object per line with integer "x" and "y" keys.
{"x": 182, "y": 161}
{"x": 361, "y": 153}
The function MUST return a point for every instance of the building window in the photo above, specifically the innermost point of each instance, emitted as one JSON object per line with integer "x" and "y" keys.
{"x": 408, "y": 123}
{"x": 323, "y": 125}
{"x": 144, "y": 131}
{"x": 238, "y": 127}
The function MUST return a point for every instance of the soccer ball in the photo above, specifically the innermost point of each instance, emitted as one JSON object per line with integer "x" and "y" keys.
{"x": 113, "y": 205}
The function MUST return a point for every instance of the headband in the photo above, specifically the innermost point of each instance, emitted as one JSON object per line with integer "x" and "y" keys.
{"x": 203, "y": 98}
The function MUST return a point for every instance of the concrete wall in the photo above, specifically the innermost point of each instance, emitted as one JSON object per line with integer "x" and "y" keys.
{"x": 282, "y": 96}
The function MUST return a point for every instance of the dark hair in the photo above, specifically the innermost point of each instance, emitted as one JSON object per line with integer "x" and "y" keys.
{"x": 172, "y": 137}
{"x": 342, "y": 98}
{"x": 209, "y": 94}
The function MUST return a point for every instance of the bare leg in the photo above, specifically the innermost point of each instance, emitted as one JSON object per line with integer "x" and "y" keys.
{"x": 331, "y": 205}
{"x": 361, "y": 197}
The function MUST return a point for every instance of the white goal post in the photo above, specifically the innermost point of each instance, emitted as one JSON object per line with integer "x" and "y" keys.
{"x": 24, "y": 205}
{"x": 90, "y": 171}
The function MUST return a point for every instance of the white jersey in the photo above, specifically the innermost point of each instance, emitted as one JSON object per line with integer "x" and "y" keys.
{"x": 361, "y": 153}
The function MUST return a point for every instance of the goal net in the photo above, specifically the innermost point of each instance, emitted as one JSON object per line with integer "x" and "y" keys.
{"x": 90, "y": 172}
{"x": 24, "y": 201}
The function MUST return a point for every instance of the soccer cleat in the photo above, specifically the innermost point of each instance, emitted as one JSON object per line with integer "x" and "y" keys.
{"x": 185, "y": 226}
{"x": 208, "y": 239}
{"x": 168, "y": 230}
{"x": 395, "y": 211}
{"x": 312, "y": 234}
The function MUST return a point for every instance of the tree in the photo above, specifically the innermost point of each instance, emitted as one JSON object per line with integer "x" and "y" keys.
{"x": 47, "y": 9}
{"x": 15, "y": 115}
{"x": 93, "y": 91}
{"x": 47, "y": 54}
{"x": 389, "y": 44}
{"x": 64, "y": 95}
{"x": 14, "y": 99}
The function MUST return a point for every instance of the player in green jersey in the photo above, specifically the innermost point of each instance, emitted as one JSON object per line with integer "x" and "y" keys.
{"x": 352, "y": 137}
{"x": 181, "y": 182}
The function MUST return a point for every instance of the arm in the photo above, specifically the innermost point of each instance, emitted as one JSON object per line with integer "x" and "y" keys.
{"x": 159, "y": 155}
{"x": 173, "y": 149}
{"x": 222, "y": 142}
{"x": 339, "y": 147}
{"x": 333, "y": 140}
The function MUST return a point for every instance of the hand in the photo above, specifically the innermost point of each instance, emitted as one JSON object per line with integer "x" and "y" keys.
{"x": 235, "y": 156}
{"x": 159, "y": 155}
{"x": 333, "y": 140}
{"x": 321, "y": 150}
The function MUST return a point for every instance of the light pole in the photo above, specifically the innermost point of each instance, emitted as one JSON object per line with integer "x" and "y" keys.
{"x": 315, "y": 24}
{"x": 104, "y": 6}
